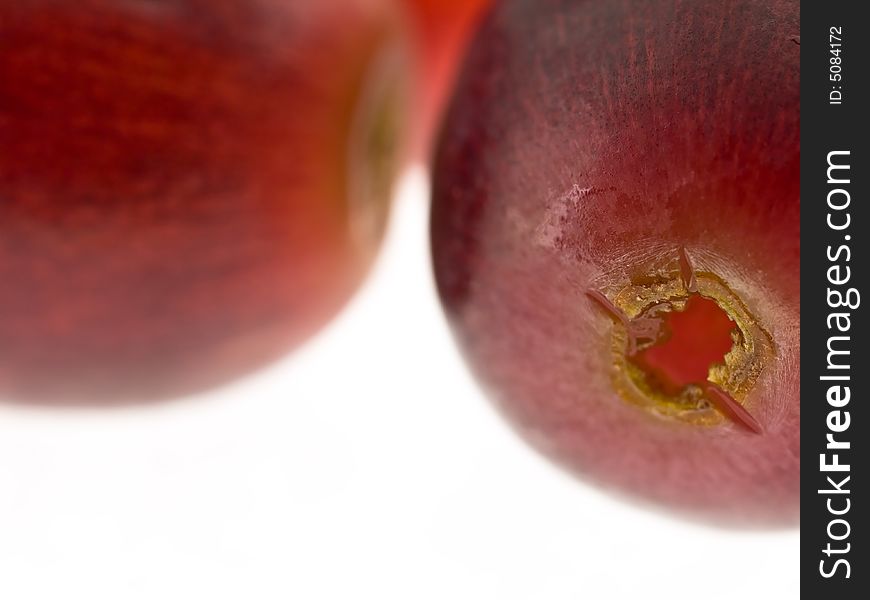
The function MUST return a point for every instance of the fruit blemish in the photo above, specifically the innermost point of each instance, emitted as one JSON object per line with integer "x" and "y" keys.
{"x": 686, "y": 347}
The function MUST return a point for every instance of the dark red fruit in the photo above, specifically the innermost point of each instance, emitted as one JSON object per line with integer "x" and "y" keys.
{"x": 188, "y": 188}
{"x": 616, "y": 242}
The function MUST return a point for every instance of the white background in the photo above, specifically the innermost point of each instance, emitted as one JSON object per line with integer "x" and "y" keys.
{"x": 365, "y": 466}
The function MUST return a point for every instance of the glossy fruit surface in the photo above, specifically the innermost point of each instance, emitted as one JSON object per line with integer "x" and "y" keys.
{"x": 443, "y": 29}
{"x": 188, "y": 188}
{"x": 616, "y": 242}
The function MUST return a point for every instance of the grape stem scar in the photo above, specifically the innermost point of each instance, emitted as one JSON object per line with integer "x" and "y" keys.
{"x": 643, "y": 329}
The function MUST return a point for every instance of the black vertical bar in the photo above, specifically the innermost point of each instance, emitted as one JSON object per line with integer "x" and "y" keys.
{"x": 835, "y": 64}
